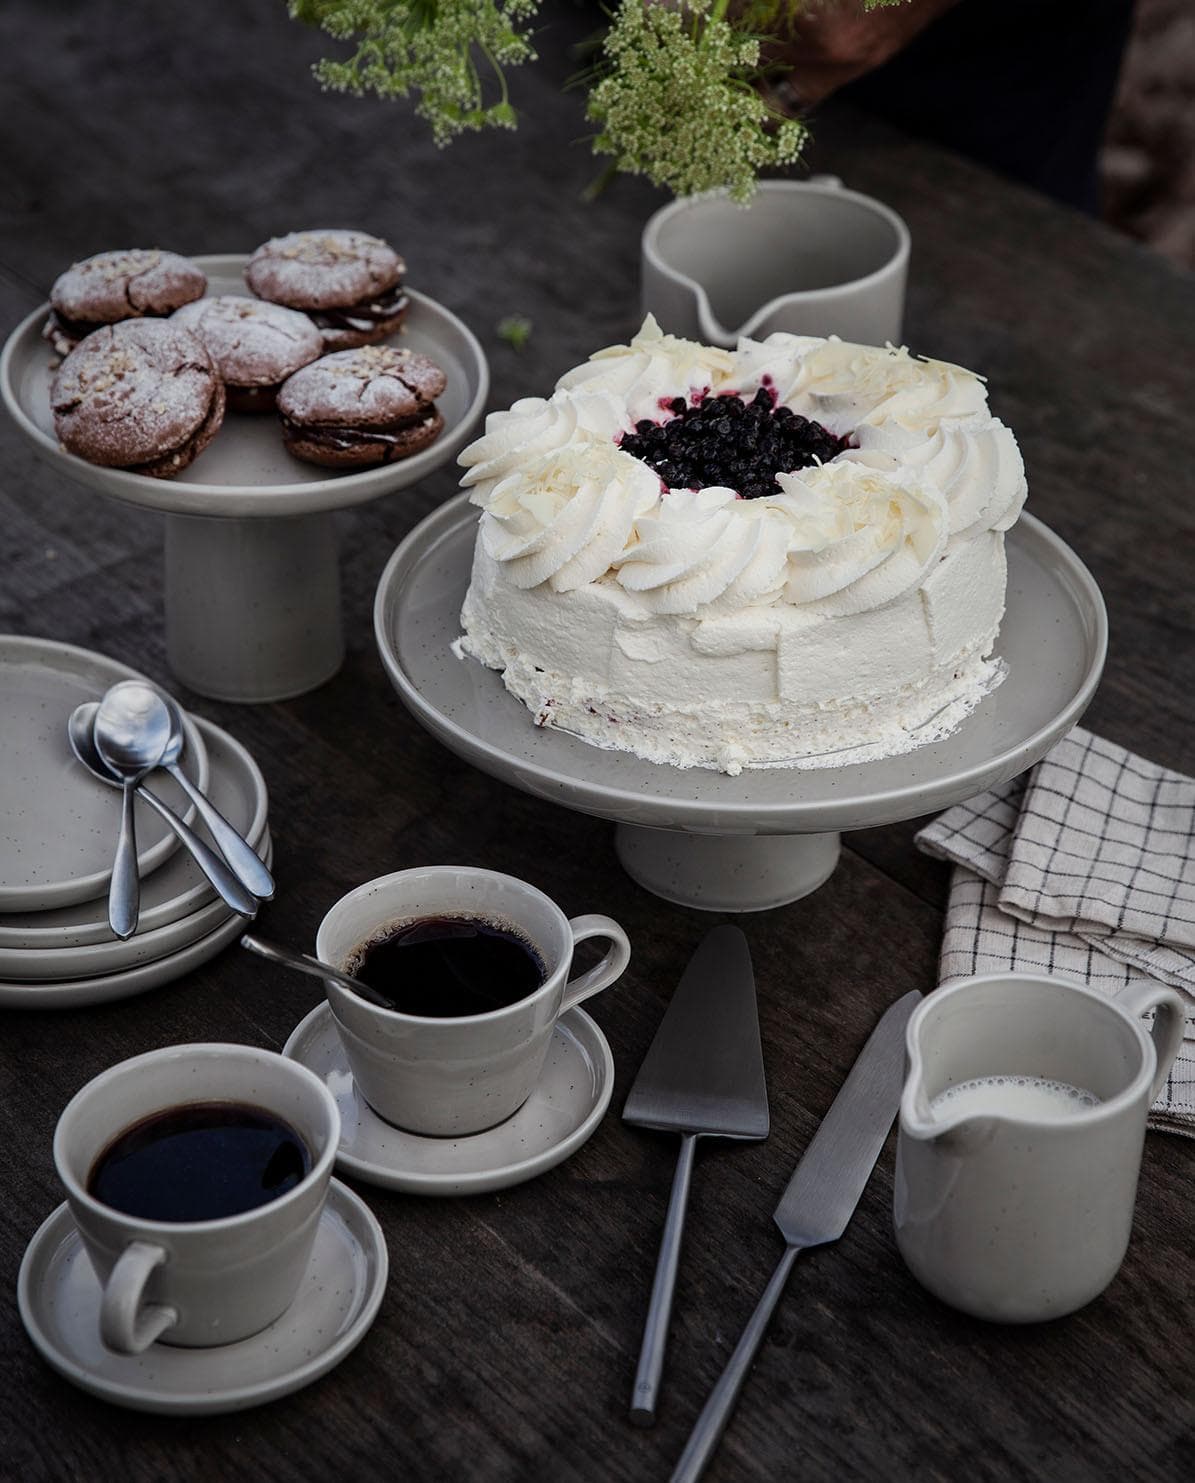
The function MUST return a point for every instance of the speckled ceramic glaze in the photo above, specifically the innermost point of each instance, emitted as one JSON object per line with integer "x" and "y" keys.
{"x": 564, "y": 1109}
{"x": 178, "y": 903}
{"x": 687, "y": 833}
{"x": 251, "y": 520}
{"x": 337, "y": 1300}
{"x": 205, "y": 1282}
{"x": 453, "y": 1077}
{"x": 1018, "y": 1218}
{"x": 58, "y": 824}
{"x": 805, "y": 256}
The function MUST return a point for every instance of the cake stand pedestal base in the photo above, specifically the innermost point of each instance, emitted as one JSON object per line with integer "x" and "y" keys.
{"x": 726, "y": 872}
{"x": 253, "y": 604}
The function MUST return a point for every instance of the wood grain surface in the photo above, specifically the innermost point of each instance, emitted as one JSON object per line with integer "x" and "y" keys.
{"x": 507, "y": 1340}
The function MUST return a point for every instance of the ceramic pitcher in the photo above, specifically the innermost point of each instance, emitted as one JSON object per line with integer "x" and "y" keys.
{"x": 809, "y": 257}
{"x": 1017, "y": 1213}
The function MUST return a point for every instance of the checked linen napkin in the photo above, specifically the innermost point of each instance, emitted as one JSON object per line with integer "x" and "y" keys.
{"x": 1084, "y": 867}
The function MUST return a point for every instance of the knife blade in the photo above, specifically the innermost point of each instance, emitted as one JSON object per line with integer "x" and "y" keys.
{"x": 702, "y": 1077}
{"x": 816, "y": 1205}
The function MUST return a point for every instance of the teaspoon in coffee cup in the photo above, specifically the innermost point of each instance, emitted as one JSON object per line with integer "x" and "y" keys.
{"x": 240, "y": 855}
{"x": 307, "y": 964}
{"x": 131, "y": 731}
{"x": 81, "y": 732}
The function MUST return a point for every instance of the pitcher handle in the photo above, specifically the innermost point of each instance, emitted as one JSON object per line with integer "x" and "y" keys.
{"x": 1167, "y": 1029}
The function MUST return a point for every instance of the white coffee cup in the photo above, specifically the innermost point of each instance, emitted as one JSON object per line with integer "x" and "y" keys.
{"x": 1010, "y": 1211}
{"x": 451, "y": 1077}
{"x": 203, "y": 1282}
{"x": 805, "y": 256}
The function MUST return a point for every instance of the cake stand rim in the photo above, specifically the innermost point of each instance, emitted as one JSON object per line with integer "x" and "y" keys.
{"x": 243, "y": 501}
{"x": 802, "y": 816}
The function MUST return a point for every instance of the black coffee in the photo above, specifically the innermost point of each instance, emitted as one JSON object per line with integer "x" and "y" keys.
{"x": 446, "y": 967}
{"x": 199, "y": 1161}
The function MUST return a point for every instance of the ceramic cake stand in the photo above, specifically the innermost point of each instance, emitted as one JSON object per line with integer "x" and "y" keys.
{"x": 771, "y": 835}
{"x": 252, "y": 566}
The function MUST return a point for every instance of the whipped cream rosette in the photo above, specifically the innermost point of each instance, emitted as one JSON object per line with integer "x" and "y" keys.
{"x": 845, "y": 610}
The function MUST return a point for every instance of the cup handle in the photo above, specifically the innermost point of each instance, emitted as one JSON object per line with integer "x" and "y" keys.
{"x": 124, "y": 1325}
{"x": 1167, "y": 1031}
{"x": 602, "y": 974}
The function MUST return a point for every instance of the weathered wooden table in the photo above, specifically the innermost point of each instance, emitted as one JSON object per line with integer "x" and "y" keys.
{"x": 507, "y": 1339}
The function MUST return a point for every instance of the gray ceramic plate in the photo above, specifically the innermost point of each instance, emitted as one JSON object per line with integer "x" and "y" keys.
{"x": 101, "y": 960}
{"x": 173, "y": 891}
{"x": 125, "y": 982}
{"x": 58, "y": 824}
{"x": 1053, "y": 640}
{"x": 59, "y": 1300}
{"x": 560, "y": 1114}
{"x": 245, "y": 470}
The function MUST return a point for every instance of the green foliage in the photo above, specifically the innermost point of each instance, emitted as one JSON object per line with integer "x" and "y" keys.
{"x": 677, "y": 102}
{"x": 515, "y": 329}
{"x": 452, "y": 54}
{"x": 673, "y": 98}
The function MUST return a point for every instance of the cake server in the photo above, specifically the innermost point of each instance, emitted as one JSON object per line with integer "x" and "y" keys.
{"x": 817, "y": 1204}
{"x": 702, "y": 1077}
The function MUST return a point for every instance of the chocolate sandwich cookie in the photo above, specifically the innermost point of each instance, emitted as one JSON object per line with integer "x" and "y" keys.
{"x": 255, "y": 345}
{"x": 143, "y": 395}
{"x": 358, "y": 407}
{"x": 348, "y": 282}
{"x": 113, "y": 286}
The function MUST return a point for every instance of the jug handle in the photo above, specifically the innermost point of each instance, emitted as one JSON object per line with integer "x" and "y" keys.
{"x": 1167, "y": 1029}
{"x": 834, "y": 181}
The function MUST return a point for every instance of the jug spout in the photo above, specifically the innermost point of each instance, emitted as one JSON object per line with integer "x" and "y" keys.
{"x": 960, "y": 1131}
{"x": 916, "y": 1115}
{"x": 920, "y": 1120}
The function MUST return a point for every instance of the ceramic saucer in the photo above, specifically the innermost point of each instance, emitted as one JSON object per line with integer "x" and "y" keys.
{"x": 178, "y": 905}
{"x": 562, "y": 1112}
{"x": 59, "y": 1300}
{"x": 57, "y": 822}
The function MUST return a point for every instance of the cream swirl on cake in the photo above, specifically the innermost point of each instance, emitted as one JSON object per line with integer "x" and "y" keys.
{"x": 535, "y": 426}
{"x": 652, "y": 367}
{"x": 567, "y": 515}
{"x": 788, "y": 553}
{"x": 865, "y": 537}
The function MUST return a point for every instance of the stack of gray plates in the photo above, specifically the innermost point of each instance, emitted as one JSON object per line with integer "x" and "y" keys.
{"x": 58, "y": 828}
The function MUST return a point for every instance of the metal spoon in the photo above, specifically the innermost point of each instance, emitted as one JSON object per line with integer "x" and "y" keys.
{"x": 307, "y": 964}
{"x": 81, "y": 731}
{"x": 130, "y": 731}
{"x": 237, "y": 851}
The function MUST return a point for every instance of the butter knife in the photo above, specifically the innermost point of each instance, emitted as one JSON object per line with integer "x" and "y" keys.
{"x": 817, "y": 1204}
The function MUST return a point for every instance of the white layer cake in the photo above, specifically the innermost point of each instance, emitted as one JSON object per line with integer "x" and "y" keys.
{"x": 849, "y": 615}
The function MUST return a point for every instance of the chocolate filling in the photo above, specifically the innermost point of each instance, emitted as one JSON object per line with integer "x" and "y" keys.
{"x": 175, "y": 460}
{"x": 325, "y": 436}
{"x": 363, "y": 316}
{"x": 252, "y": 398}
{"x": 64, "y": 334}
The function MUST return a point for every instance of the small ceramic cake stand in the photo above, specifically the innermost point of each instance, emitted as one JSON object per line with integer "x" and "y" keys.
{"x": 770, "y": 835}
{"x": 252, "y": 565}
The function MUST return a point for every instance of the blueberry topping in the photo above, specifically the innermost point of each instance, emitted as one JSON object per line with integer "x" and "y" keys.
{"x": 725, "y": 441}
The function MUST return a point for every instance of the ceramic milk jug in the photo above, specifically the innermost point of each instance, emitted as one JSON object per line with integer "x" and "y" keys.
{"x": 1021, "y": 1130}
{"x": 808, "y": 257}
